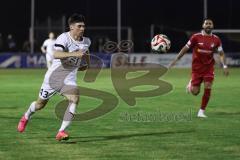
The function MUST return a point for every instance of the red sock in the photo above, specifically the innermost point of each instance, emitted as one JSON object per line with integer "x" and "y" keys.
{"x": 205, "y": 98}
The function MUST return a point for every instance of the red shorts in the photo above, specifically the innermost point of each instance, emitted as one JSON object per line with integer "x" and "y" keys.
{"x": 197, "y": 78}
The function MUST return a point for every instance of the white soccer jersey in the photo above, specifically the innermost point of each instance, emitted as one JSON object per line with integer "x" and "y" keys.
{"x": 49, "y": 44}
{"x": 63, "y": 72}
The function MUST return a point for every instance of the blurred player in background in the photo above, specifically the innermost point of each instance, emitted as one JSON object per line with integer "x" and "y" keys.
{"x": 69, "y": 49}
{"x": 47, "y": 48}
{"x": 204, "y": 44}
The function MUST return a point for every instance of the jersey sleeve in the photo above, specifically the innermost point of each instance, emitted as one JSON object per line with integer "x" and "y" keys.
{"x": 219, "y": 45}
{"x": 88, "y": 42}
{"x": 45, "y": 43}
{"x": 191, "y": 42}
{"x": 61, "y": 43}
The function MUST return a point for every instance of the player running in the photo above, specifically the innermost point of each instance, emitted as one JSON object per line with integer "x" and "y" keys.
{"x": 47, "y": 48}
{"x": 70, "y": 47}
{"x": 204, "y": 44}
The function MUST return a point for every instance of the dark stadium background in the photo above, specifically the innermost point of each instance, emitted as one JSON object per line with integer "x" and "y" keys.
{"x": 176, "y": 17}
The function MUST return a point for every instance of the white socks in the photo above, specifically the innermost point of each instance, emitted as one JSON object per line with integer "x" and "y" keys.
{"x": 68, "y": 116}
{"x": 30, "y": 110}
{"x": 67, "y": 119}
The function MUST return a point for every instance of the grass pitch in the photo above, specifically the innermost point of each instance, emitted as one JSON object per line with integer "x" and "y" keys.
{"x": 162, "y": 127}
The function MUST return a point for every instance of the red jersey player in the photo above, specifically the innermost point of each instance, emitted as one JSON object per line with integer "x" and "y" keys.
{"x": 204, "y": 44}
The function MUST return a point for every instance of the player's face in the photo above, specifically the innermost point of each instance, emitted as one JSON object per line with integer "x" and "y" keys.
{"x": 208, "y": 26}
{"x": 51, "y": 35}
{"x": 78, "y": 29}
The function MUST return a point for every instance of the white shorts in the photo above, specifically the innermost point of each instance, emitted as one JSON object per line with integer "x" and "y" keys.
{"x": 59, "y": 81}
{"x": 46, "y": 91}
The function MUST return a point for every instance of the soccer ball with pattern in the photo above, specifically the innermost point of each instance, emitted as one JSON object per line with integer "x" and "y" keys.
{"x": 160, "y": 43}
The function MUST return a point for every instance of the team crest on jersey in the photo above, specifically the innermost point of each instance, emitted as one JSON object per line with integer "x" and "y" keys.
{"x": 212, "y": 45}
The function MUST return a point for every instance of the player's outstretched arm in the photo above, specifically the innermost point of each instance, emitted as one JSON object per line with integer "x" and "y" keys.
{"x": 62, "y": 55}
{"x": 179, "y": 56}
{"x": 223, "y": 61}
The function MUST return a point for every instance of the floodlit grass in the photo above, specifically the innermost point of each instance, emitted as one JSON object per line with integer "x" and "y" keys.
{"x": 162, "y": 127}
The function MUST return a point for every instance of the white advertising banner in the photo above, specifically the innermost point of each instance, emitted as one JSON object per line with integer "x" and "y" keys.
{"x": 162, "y": 59}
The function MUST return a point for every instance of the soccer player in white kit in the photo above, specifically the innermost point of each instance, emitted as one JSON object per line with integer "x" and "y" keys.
{"x": 70, "y": 47}
{"x": 48, "y": 47}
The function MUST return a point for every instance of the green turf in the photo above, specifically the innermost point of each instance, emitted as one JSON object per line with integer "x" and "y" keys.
{"x": 174, "y": 133}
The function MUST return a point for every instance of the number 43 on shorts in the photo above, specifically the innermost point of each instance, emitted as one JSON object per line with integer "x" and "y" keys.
{"x": 44, "y": 94}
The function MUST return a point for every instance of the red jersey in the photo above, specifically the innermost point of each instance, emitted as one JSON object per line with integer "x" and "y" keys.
{"x": 203, "y": 47}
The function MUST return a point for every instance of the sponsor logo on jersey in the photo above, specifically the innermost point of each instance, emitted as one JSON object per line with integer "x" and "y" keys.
{"x": 204, "y": 51}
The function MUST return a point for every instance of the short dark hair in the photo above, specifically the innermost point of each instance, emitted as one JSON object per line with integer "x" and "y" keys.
{"x": 75, "y": 18}
{"x": 205, "y": 19}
